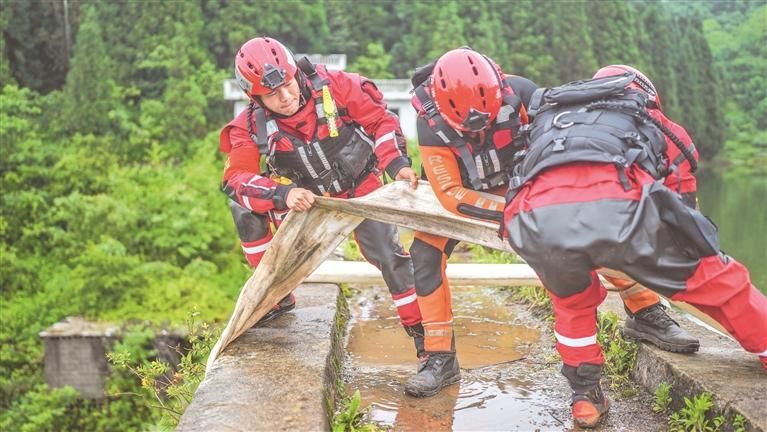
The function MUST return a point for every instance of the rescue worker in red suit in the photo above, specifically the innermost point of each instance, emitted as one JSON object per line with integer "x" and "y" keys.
{"x": 468, "y": 127}
{"x": 327, "y": 132}
{"x": 588, "y": 194}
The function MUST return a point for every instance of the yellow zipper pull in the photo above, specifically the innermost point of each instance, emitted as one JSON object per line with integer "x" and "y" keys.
{"x": 329, "y": 106}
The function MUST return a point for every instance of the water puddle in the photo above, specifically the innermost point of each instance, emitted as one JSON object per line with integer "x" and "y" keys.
{"x": 494, "y": 393}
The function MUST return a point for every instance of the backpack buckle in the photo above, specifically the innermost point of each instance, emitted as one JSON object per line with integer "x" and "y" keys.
{"x": 557, "y": 121}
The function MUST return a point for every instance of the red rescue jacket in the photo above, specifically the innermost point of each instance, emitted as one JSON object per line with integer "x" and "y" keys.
{"x": 358, "y": 102}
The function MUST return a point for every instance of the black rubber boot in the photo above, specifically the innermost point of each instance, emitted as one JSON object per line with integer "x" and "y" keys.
{"x": 288, "y": 303}
{"x": 653, "y": 325}
{"x": 589, "y": 404}
{"x": 436, "y": 370}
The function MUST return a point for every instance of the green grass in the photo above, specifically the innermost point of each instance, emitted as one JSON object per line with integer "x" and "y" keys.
{"x": 620, "y": 354}
{"x": 662, "y": 398}
{"x": 694, "y": 416}
{"x": 485, "y": 255}
{"x": 350, "y": 417}
{"x": 537, "y": 298}
{"x": 352, "y": 251}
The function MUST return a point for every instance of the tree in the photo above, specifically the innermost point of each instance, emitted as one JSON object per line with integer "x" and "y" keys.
{"x": 570, "y": 45}
{"x": 373, "y": 64}
{"x": 613, "y": 35}
{"x": 90, "y": 92}
{"x": 484, "y": 29}
{"x": 434, "y": 28}
{"x": 38, "y": 39}
{"x": 526, "y": 36}
{"x": 658, "y": 55}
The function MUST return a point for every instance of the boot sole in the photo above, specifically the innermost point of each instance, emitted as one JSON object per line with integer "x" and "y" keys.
{"x": 452, "y": 380}
{"x": 631, "y": 334}
{"x": 592, "y": 424}
{"x": 274, "y": 315}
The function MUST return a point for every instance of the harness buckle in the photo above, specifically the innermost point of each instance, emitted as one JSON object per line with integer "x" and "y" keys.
{"x": 428, "y": 106}
{"x": 515, "y": 182}
{"x": 559, "y": 144}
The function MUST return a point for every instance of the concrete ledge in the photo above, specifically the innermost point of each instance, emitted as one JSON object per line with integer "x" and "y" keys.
{"x": 735, "y": 378}
{"x": 498, "y": 275}
{"x": 280, "y": 376}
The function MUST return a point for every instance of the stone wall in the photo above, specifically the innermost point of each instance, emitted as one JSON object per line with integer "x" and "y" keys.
{"x": 79, "y": 362}
{"x": 76, "y": 349}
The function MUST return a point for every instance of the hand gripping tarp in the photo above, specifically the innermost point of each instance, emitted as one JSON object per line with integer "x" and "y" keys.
{"x": 305, "y": 239}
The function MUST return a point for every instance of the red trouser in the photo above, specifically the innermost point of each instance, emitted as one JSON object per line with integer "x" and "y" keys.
{"x": 574, "y": 219}
{"x": 378, "y": 242}
{"x": 430, "y": 254}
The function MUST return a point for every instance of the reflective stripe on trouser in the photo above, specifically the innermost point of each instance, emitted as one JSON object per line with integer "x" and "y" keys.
{"x": 656, "y": 241}
{"x": 635, "y": 297}
{"x": 575, "y": 324}
{"x": 379, "y": 244}
{"x": 430, "y": 254}
{"x": 254, "y": 232}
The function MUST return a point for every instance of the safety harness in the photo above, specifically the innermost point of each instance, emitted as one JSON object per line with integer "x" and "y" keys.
{"x": 333, "y": 164}
{"x": 485, "y": 166}
{"x": 596, "y": 120}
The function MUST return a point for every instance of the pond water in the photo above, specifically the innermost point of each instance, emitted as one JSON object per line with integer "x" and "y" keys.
{"x": 738, "y": 205}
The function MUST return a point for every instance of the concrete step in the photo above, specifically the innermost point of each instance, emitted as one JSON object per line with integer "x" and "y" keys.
{"x": 278, "y": 376}
{"x": 734, "y": 378}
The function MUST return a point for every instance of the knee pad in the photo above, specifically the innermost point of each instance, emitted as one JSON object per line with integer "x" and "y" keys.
{"x": 427, "y": 267}
{"x": 250, "y": 226}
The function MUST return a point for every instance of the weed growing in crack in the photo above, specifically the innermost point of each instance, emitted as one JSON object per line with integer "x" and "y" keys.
{"x": 350, "y": 417}
{"x": 694, "y": 416}
{"x": 739, "y": 423}
{"x": 662, "y": 398}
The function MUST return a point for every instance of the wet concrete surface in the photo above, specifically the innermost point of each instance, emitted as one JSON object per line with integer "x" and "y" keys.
{"x": 510, "y": 372}
{"x": 277, "y": 376}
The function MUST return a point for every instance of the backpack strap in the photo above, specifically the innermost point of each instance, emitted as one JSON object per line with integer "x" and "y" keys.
{"x": 448, "y": 135}
{"x": 308, "y": 68}
{"x": 259, "y": 136}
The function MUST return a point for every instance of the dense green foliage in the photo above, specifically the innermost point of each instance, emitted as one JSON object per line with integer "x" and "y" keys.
{"x": 109, "y": 116}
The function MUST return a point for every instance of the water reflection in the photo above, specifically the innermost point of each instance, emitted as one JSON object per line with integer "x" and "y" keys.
{"x": 491, "y": 392}
{"x": 738, "y": 205}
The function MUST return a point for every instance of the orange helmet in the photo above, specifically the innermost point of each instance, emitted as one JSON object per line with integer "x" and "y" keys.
{"x": 640, "y": 82}
{"x": 263, "y": 64}
{"x": 466, "y": 87}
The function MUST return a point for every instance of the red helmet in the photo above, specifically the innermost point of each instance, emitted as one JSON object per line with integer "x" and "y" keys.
{"x": 262, "y": 65}
{"x": 641, "y": 82}
{"x": 466, "y": 87}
